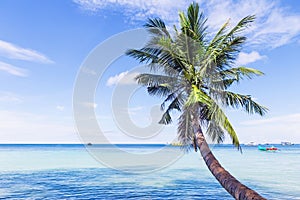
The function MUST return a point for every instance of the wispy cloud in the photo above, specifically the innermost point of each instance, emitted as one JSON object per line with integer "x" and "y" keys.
{"x": 89, "y": 71}
{"x": 293, "y": 118}
{"x": 13, "y": 51}
{"x": 273, "y": 129}
{"x": 136, "y": 9}
{"x": 35, "y": 128}
{"x": 134, "y": 110}
{"x": 13, "y": 70}
{"x": 124, "y": 78}
{"x": 89, "y": 104}
{"x": 60, "y": 108}
{"x": 275, "y": 26}
{"x": 246, "y": 58}
{"x": 9, "y": 97}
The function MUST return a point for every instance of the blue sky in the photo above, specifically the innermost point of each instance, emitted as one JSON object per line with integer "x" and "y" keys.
{"x": 43, "y": 44}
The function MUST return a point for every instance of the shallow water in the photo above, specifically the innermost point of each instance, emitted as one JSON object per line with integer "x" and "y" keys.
{"x": 70, "y": 172}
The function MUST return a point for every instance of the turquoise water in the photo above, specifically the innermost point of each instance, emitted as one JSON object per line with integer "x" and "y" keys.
{"x": 70, "y": 172}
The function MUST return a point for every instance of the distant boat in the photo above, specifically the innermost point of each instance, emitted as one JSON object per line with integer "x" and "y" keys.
{"x": 272, "y": 148}
{"x": 251, "y": 144}
{"x": 286, "y": 143}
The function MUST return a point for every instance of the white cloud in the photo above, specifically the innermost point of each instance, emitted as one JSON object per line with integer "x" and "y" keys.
{"x": 275, "y": 26}
{"x": 89, "y": 71}
{"x": 9, "y": 97}
{"x": 115, "y": 79}
{"x": 279, "y": 29}
{"x": 16, "y": 71}
{"x": 60, "y": 108}
{"x": 124, "y": 78}
{"x": 246, "y": 58}
{"x": 134, "y": 110}
{"x": 89, "y": 104}
{"x": 137, "y": 9}
{"x": 13, "y": 51}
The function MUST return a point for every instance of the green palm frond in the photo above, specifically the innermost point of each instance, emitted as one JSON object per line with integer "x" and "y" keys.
{"x": 174, "y": 105}
{"x": 220, "y": 35}
{"x": 159, "y": 57}
{"x": 240, "y": 73}
{"x": 231, "y": 43}
{"x": 215, "y": 113}
{"x": 244, "y": 101}
{"x": 161, "y": 90}
{"x": 157, "y": 27}
{"x": 215, "y": 132}
{"x": 218, "y": 116}
{"x": 228, "y": 52}
{"x": 170, "y": 97}
{"x": 193, "y": 23}
{"x": 224, "y": 48}
{"x": 225, "y": 78}
{"x": 198, "y": 22}
{"x": 242, "y": 25}
{"x": 144, "y": 55}
{"x": 185, "y": 129}
{"x": 198, "y": 96}
{"x": 154, "y": 79}
{"x": 176, "y": 95}
{"x": 193, "y": 74}
{"x": 223, "y": 83}
{"x": 166, "y": 118}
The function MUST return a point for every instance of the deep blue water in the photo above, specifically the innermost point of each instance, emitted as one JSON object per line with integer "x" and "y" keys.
{"x": 69, "y": 172}
{"x": 98, "y": 184}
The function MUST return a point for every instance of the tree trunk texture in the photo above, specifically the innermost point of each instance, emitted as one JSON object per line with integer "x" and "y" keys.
{"x": 228, "y": 182}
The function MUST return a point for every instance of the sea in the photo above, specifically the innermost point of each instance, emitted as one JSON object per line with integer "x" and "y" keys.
{"x": 72, "y": 171}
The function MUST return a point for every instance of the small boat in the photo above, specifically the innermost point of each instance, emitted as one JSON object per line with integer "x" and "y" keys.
{"x": 267, "y": 148}
{"x": 286, "y": 143}
{"x": 251, "y": 144}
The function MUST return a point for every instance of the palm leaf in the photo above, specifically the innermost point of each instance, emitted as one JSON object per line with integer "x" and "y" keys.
{"x": 161, "y": 90}
{"x": 174, "y": 105}
{"x": 185, "y": 128}
{"x": 146, "y": 79}
{"x": 193, "y": 75}
{"x": 215, "y": 113}
{"x": 223, "y": 49}
{"x": 157, "y": 27}
{"x": 244, "y": 101}
{"x": 215, "y": 132}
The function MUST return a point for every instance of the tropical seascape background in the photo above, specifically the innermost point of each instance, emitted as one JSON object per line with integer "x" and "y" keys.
{"x": 68, "y": 171}
{"x": 45, "y": 47}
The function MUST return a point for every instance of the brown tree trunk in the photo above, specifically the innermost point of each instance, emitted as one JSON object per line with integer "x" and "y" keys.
{"x": 228, "y": 182}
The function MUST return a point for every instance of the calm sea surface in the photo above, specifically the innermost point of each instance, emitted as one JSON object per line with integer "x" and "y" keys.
{"x": 70, "y": 172}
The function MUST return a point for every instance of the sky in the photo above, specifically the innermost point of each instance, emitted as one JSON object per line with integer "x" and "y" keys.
{"x": 43, "y": 45}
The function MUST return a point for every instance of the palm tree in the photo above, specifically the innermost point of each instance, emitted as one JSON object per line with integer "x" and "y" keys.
{"x": 193, "y": 72}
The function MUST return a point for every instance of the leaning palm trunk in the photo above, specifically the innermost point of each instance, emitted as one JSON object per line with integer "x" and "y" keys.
{"x": 229, "y": 183}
